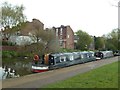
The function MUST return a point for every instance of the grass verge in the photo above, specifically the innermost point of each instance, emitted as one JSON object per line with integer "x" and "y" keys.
{"x": 103, "y": 77}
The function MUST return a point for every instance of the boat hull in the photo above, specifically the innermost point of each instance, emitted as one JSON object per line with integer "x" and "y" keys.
{"x": 39, "y": 69}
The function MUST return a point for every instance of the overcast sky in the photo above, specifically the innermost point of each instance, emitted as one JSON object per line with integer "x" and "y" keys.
{"x": 96, "y": 17}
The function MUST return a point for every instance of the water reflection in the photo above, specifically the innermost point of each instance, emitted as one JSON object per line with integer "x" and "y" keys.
{"x": 6, "y": 72}
{"x": 0, "y": 73}
{"x": 15, "y": 69}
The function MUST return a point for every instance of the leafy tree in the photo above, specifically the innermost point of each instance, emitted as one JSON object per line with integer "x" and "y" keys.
{"x": 83, "y": 41}
{"x": 112, "y": 40}
{"x": 99, "y": 43}
{"x": 12, "y": 15}
{"x": 12, "y": 19}
{"x": 110, "y": 45}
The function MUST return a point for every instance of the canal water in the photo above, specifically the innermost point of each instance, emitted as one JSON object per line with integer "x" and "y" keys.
{"x": 0, "y": 73}
{"x": 21, "y": 67}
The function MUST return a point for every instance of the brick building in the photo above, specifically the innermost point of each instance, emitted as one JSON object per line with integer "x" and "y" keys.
{"x": 65, "y": 36}
{"x": 31, "y": 27}
{"x": 22, "y": 35}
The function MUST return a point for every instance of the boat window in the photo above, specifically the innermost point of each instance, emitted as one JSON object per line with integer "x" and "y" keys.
{"x": 77, "y": 57}
{"x": 84, "y": 55}
{"x": 92, "y": 54}
{"x": 57, "y": 59}
{"x": 51, "y": 58}
{"x": 67, "y": 58}
{"x": 88, "y": 55}
{"x": 62, "y": 58}
{"x": 71, "y": 58}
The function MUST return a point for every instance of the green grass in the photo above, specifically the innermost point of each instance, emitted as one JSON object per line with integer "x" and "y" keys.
{"x": 103, "y": 77}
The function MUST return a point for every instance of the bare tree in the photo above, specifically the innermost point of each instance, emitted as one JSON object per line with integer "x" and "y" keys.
{"x": 46, "y": 42}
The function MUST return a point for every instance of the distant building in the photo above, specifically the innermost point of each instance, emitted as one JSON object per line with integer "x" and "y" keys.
{"x": 21, "y": 40}
{"x": 22, "y": 36}
{"x": 31, "y": 27}
{"x": 65, "y": 36}
{"x": 76, "y": 38}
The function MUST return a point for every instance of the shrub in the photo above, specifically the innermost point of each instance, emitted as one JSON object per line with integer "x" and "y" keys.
{"x": 7, "y": 43}
{"x": 9, "y": 54}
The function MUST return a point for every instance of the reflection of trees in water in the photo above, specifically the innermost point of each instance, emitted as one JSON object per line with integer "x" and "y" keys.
{"x": 8, "y": 72}
{"x": 23, "y": 68}
{"x": 20, "y": 67}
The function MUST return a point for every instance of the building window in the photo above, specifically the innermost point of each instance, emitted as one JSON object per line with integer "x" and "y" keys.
{"x": 61, "y": 43}
{"x": 68, "y": 36}
{"x": 60, "y": 37}
{"x": 61, "y": 31}
{"x": 57, "y": 32}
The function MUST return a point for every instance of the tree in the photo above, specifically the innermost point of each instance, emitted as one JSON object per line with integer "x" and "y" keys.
{"x": 99, "y": 43}
{"x": 46, "y": 41}
{"x": 12, "y": 15}
{"x": 83, "y": 41}
{"x": 12, "y": 19}
{"x": 112, "y": 40}
{"x": 43, "y": 41}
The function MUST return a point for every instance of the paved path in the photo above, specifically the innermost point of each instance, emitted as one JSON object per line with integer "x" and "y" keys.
{"x": 40, "y": 79}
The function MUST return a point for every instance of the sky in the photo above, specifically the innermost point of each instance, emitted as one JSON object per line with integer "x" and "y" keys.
{"x": 96, "y": 17}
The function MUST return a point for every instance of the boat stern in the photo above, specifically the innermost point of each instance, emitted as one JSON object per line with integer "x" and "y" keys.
{"x": 40, "y": 68}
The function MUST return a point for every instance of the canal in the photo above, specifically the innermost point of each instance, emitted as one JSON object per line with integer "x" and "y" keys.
{"x": 21, "y": 66}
